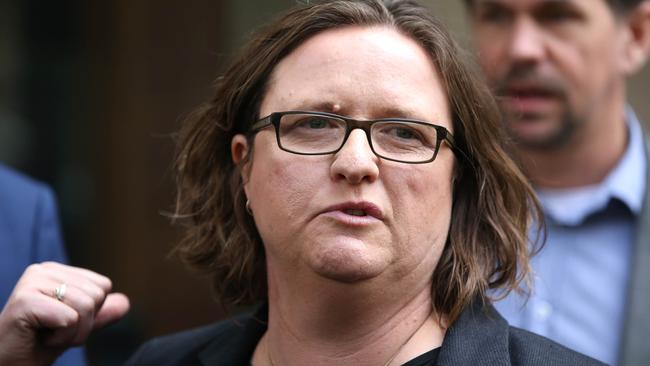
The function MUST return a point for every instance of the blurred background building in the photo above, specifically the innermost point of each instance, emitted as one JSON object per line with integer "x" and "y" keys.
{"x": 90, "y": 94}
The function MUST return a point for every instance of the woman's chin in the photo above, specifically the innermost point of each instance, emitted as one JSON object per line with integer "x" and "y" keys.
{"x": 348, "y": 262}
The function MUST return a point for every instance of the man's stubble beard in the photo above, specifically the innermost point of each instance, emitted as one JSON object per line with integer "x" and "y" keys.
{"x": 568, "y": 120}
{"x": 561, "y": 134}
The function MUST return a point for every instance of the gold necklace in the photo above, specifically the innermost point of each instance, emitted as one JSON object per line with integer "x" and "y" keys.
{"x": 268, "y": 349}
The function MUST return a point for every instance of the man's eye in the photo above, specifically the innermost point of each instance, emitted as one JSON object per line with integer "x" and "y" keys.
{"x": 558, "y": 15}
{"x": 494, "y": 15}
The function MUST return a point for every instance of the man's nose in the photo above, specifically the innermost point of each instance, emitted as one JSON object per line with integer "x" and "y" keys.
{"x": 355, "y": 162}
{"x": 527, "y": 42}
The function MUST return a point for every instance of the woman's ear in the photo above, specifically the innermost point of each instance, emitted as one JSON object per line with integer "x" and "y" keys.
{"x": 636, "y": 46}
{"x": 239, "y": 150}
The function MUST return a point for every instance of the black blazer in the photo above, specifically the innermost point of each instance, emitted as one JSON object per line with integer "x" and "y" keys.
{"x": 479, "y": 337}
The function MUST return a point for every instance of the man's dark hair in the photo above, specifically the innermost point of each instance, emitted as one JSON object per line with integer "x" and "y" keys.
{"x": 619, "y": 6}
{"x": 624, "y": 5}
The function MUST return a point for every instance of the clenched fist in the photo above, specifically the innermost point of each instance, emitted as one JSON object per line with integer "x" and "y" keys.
{"x": 54, "y": 307}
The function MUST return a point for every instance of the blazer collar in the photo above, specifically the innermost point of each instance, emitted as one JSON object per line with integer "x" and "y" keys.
{"x": 479, "y": 337}
{"x": 236, "y": 346}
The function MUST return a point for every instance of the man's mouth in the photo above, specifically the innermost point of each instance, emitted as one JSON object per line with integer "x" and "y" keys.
{"x": 528, "y": 92}
{"x": 529, "y": 100}
{"x": 529, "y": 95}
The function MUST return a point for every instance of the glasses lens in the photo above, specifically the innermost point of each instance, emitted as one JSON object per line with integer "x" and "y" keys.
{"x": 404, "y": 141}
{"x": 311, "y": 133}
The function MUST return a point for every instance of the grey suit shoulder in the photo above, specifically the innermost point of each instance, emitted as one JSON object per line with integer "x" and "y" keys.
{"x": 635, "y": 349}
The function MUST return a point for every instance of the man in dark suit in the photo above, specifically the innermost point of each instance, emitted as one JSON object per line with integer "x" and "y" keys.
{"x": 559, "y": 70}
{"x": 29, "y": 233}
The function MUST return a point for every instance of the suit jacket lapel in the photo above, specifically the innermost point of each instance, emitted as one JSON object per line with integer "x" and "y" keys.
{"x": 635, "y": 346}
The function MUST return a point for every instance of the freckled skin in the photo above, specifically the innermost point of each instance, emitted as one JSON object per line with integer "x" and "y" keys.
{"x": 288, "y": 191}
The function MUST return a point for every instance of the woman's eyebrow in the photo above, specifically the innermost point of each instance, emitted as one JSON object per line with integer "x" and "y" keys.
{"x": 318, "y": 106}
{"x": 401, "y": 112}
{"x": 343, "y": 109}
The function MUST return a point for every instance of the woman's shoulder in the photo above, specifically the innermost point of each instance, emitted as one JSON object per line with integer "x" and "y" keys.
{"x": 481, "y": 336}
{"x": 532, "y": 349}
{"x": 230, "y": 341}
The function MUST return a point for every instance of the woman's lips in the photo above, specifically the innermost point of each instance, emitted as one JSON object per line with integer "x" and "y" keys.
{"x": 355, "y": 213}
{"x": 351, "y": 220}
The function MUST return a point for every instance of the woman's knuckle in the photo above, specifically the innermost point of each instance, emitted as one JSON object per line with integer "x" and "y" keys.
{"x": 86, "y": 306}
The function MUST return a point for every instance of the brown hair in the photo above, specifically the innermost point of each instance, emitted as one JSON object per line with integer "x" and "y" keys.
{"x": 492, "y": 203}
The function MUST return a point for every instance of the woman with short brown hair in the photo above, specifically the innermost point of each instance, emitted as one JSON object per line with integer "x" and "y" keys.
{"x": 351, "y": 175}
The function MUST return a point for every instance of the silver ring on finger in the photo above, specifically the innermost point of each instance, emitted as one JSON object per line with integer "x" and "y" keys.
{"x": 59, "y": 291}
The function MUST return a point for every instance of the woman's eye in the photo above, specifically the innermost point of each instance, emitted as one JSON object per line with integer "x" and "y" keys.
{"x": 398, "y": 134}
{"x": 313, "y": 123}
{"x": 404, "y": 133}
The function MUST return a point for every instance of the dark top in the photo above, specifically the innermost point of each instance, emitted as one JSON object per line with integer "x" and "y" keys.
{"x": 425, "y": 359}
{"x": 479, "y": 337}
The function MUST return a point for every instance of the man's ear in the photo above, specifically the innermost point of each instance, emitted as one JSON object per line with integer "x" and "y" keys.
{"x": 239, "y": 150}
{"x": 636, "y": 44}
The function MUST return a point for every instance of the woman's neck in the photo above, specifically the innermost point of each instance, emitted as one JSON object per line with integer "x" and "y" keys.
{"x": 347, "y": 327}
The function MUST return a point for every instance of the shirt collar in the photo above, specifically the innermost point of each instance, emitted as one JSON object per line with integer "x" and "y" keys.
{"x": 626, "y": 182}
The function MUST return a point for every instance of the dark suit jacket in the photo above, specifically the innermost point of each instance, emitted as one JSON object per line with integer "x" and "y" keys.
{"x": 29, "y": 233}
{"x": 635, "y": 349}
{"x": 479, "y": 337}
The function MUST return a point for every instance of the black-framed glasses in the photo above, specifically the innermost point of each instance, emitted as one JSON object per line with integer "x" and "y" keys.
{"x": 319, "y": 133}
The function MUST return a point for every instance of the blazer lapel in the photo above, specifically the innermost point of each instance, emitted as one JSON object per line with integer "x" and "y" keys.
{"x": 478, "y": 337}
{"x": 235, "y": 346}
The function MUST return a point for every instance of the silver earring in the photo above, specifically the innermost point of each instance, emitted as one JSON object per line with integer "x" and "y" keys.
{"x": 248, "y": 207}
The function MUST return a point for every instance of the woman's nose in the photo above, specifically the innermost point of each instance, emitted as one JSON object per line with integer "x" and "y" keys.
{"x": 355, "y": 162}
